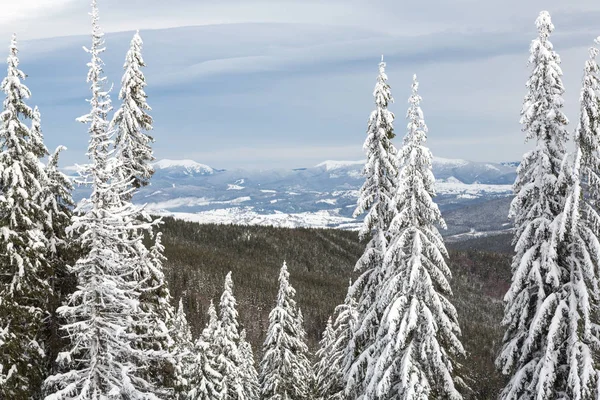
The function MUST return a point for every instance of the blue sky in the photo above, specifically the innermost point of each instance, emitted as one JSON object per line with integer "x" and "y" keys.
{"x": 288, "y": 83}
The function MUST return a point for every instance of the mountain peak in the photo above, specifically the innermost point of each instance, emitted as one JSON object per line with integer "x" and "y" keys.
{"x": 188, "y": 165}
{"x": 332, "y": 164}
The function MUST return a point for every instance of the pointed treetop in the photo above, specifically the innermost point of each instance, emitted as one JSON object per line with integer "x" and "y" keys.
{"x": 544, "y": 24}
{"x": 382, "y": 58}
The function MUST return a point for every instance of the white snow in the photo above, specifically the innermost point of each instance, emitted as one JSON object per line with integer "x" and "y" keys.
{"x": 450, "y": 162}
{"x": 189, "y": 165}
{"x": 332, "y": 164}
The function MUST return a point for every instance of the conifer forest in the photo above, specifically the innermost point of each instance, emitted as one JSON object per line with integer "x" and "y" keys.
{"x": 101, "y": 299}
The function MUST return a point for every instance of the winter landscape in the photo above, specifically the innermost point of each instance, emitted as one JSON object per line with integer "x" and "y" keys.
{"x": 135, "y": 266}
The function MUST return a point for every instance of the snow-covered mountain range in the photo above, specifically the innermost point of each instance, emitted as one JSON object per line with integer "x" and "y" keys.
{"x": 321, "y": 196}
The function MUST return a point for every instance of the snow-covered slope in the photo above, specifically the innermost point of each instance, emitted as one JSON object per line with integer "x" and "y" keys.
{"x": 324, "y": 195}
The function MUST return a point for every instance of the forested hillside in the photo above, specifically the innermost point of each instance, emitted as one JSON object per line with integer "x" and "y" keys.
{"x": 321, "y": 262}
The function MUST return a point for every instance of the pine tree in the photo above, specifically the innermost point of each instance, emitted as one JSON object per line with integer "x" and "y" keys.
{"x": 376, "y": 199}
{"x": 323, "y": 367}
{"x": 250, "y": 375}
{"x": 227, "y": 341}
{"x": 417, "y": 340}
{"x": 530, "y": 353}
{"x": 182, "y": 351}
{"x": 102, "y": 360}
{"x": 285, "y": 370}
{"x": 203, "y": 378}
{"x": 24, "y": 265}
{"x": 577, "y": 302}
{"x": 131, "y": 119}
{"x": 59, "y": 203}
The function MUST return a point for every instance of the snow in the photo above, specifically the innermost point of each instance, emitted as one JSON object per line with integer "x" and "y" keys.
{"x": 192, "y": 202}
{"x": 247, "y": 216}
{"x": 231, "y": 186}
{"x": 332, "y": 164}
{"x": 188, "y": 165}
{"x": 328, "y": 201}
{"x": 450, "y": 162}
{"x": 268, "y": 191}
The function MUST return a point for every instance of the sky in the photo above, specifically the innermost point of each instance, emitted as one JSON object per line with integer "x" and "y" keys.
{"x": 289, "y": 83}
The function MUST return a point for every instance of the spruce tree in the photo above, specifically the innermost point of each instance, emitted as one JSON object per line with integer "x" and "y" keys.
{"x": 530, "y": 353}
{"x": 131, "y": 120}
{"x": 102, "y": 360}
{"x": 250, "y": 375}
{"x": 182, "y": 351}
{"x": 417, "y": 340}
{"x": 285, "y": 369}
{"x": 376, "y": 199}
{"x": 323, "y": 367}
{"x": 576, "y": 334}
{"x": 204, "y": 380}
{"x": 24, "y": 260}
{"x": 227, "y": 341}
{"x": 329, "y": 370}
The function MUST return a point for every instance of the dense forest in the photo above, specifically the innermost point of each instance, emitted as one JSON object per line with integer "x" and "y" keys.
{"x": 320, "y": 262}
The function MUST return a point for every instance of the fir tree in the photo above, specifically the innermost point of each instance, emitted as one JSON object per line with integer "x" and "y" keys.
{"x": 417, "y": 340}
{"x": 203, "y": 378}
{"x": 530, "y": 353}
{"x": 132, "y": 119}
{"x": 182, "y": 351}
{"x": 61, "y": 252}
{"x": 24, "y": 221}
{"x": 323, "y": 367}
{"x": 250, "y": 375}
{"x": 576, "y": 304}
{"x": 227, "y": 341}
{"x": 285, "y": 370}
{"x": 376, "y": 199}
{"x": 103, "y": 360}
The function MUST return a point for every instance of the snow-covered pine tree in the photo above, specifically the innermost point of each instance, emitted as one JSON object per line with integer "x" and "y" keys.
{"x": 227, "y": 341}
{"x": 329, "y": 371}
{"x": 376, "y": 199}
{"x": 131, "y": 119}
{"x": 417, "y": 341}
{"x": 531, "y": 314}
{"x": 249, "y": 367}
{"x": 102, "y": 361}
{"x": 61, "y": 253}
{"x": 24, "y": 266}
{"x": 285, "y": 370}
{"x": 576, "y": 304}
{"x": 323, "y": 368}
{"x": 204, "y": 382}
{"x": 182, "y": 351}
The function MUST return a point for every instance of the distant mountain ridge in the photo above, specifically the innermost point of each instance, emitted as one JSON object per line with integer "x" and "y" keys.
{"x": 324, "y": 195}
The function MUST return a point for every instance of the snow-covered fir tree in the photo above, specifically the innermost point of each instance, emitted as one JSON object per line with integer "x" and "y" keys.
{"x": 103, "y": 314}
{"x": 323, "y": 368}
{"x": 132, "y": 120}
{"x": 575, "y": 333}
{"x": 182, "y": 351}
{"x": 250, "y": 374}
{"x": 227, "y": 341}
{"x": 24, "y": 256}
{"x": 531, "y": 354}
{"x": 376, "y": 199}
{"x": 285, "y": 372}
{"x": 203, "y": 378}
{"x": 332, "y": 355}
{"x": 59, "y": 204}
{"x": 418, "y": 338}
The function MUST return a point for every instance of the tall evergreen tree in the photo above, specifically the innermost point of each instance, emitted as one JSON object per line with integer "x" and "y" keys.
{"x": 24, "y": 220}
{"x": 529, "y": 353}
{"x": 417, "y": 340}
{"x": 250, "y": 375}
{"x": 131, "y": 119}
{"x": 576, "y": 336}
{"x": 61, "y": 253}
{"x": 333, "y": 355}
{"x": 182, "y": 351}
{"x": 204, "y": 379}
{"x": 285, "y": 370}
{"x": 102, "y": 361}
{"x": 227, "y": 341}
{"x": 376, "y": 199}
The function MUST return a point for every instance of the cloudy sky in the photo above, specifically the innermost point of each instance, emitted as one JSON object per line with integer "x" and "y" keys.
{"x": 288, "y": 83}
